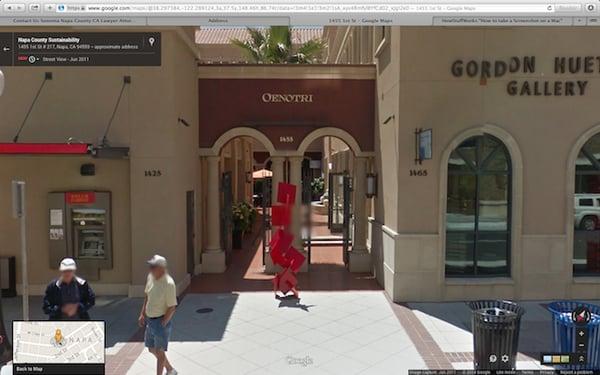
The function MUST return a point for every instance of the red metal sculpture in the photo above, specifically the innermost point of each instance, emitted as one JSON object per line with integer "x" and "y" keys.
{"x": 282, "y": 251}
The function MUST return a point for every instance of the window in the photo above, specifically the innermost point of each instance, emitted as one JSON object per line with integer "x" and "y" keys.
{"x": 478, "y": 209}
{"x": 586, "y": 247}
{"x": 382, "y": 39}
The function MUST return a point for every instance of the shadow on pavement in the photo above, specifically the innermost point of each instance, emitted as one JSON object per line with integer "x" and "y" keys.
{"x": 120, "y": 314}
{"x": 446, "y": 321}
{"x": 293, "y": 303}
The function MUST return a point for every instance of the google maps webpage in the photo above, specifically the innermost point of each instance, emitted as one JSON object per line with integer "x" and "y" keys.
{"x": 299, "y": 187}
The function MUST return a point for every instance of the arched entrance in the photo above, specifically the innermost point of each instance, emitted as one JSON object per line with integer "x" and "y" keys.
{"x": 336, "y": 233}
{"x": 230, "y": 170}
{"x": 341, "y": 106}
{"x": 327, "y": 202}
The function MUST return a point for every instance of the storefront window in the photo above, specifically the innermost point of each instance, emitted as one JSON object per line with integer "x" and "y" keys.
{"x": 586, "y": 254}
{"x": 478, "y": 209}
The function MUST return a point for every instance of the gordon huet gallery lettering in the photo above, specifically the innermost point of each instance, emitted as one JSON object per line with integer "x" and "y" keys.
{"x": 287, "y": 98}
{"x": 526, "y": 65}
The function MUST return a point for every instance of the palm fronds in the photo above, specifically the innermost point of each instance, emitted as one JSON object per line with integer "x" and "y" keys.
{"x": 274, "y": 46}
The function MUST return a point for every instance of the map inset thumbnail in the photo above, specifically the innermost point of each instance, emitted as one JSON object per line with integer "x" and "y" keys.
{"x": 58, "y": 342}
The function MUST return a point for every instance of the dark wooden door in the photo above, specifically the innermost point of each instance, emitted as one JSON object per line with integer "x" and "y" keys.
{"x": 190, "y": 213}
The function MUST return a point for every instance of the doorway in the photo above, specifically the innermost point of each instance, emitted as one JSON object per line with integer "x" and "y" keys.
{"x": 190, "y": 220}
{"x": 327, "y": 202}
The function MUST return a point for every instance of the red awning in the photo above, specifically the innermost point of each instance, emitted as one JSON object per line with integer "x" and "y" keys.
{"x": 44, "y": 148}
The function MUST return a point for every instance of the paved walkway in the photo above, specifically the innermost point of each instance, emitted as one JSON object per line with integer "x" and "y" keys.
{"x": 447, "y": 330}
{"x": 344, "y": 323}
{"x": 245, "y": 272}
{"x": 253, "y": 333}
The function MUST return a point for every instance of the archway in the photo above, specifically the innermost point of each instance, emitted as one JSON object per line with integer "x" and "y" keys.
{"x": 583, "y": 196}
{"x": 327, "y": 228}
{"x": 516, "y": 192}
{"x": 235, "y": 171}
{"x": 335, "y": 204}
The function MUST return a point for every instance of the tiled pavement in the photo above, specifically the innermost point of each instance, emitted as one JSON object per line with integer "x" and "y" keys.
{"x": 343, "y": 324}
{"x": 354, "y": 332}
{"x": 448, "y": 329}
{"x": 324, "y": 333}
{"x": 253, "y": 333}
{"x": 245, "y": 272}
{"x": 119, "y": 313}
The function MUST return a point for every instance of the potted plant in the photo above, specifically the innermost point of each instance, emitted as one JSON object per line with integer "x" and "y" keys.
{"x": 243, "y": 215}
{"x": 317, "y": 188}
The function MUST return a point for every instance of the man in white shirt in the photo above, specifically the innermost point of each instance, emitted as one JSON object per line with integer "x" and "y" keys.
{"x": 157, "y": 312}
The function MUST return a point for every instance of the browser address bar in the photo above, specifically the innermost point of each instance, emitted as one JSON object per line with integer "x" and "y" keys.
{"x": 305, "y": 8}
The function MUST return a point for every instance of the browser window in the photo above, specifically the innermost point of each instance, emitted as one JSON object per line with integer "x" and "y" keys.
{"x": 308, "y": 186}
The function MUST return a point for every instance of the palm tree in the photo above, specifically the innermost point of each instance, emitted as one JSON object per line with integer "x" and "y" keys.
{"x": 274, "y": 46}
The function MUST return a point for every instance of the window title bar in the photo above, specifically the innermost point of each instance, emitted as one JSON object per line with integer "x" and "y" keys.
{"x": 302, "y": 12}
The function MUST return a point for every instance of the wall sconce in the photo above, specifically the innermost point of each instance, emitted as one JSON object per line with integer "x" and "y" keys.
{"x": 371, "y": 185}
{"x": 182, "y": 121}
{"x": 248, "y": 177}
{"x": 1, "y": 82}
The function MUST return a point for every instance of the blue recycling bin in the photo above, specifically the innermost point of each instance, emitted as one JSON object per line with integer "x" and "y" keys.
{"x": 563, "y": 332}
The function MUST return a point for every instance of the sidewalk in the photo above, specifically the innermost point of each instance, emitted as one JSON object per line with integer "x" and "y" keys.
{"x": 447, "y": 328}
{"x": 337, "y": 332}
{"x": 344, "y": 323}
{"x": 118, "y": 312}
{"x": 352, "y": 332}
{"x": 253, "y": 333}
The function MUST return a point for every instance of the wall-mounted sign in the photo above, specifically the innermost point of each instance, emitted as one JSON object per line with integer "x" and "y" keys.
{"x": 268, "y": 97}
{"x": 152, "y": 173}
{"x": 425, "y": 139}
{"x": 56, "y": 217}
{"x": 417, "y": 173}
{"x": 56, "y": 234}
{"x": 80, "y": 197}
{"x": 423, "y": 144}
{"x": 526, "y": 65}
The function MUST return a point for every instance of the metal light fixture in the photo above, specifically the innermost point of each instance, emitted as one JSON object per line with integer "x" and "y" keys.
{"x": 371, "y": 185}
{"x": 1, "y": 82}
{"x": 182, "y": 121}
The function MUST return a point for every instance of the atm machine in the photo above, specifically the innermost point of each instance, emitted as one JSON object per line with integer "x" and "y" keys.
{"x": 80, "y": 228}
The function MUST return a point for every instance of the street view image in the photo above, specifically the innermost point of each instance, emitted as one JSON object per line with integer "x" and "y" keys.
{"x": 298, "y": 188}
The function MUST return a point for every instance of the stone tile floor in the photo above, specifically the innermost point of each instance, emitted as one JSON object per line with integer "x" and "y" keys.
{"x": 449, "y": 326}
{"x": 343, "y": 324}
{"x": 118, "y": 312}
{"x": 253, "y": 333}
{"x": 345, "y": 332}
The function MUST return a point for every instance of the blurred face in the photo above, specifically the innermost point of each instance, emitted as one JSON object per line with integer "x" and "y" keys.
{"x": 67, "y": 276}
{"x": 157, "y": 272}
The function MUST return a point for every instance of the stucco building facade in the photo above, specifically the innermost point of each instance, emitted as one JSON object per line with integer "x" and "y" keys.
{"x": 463, "y": 223}
{"x": 542, "y": 123}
